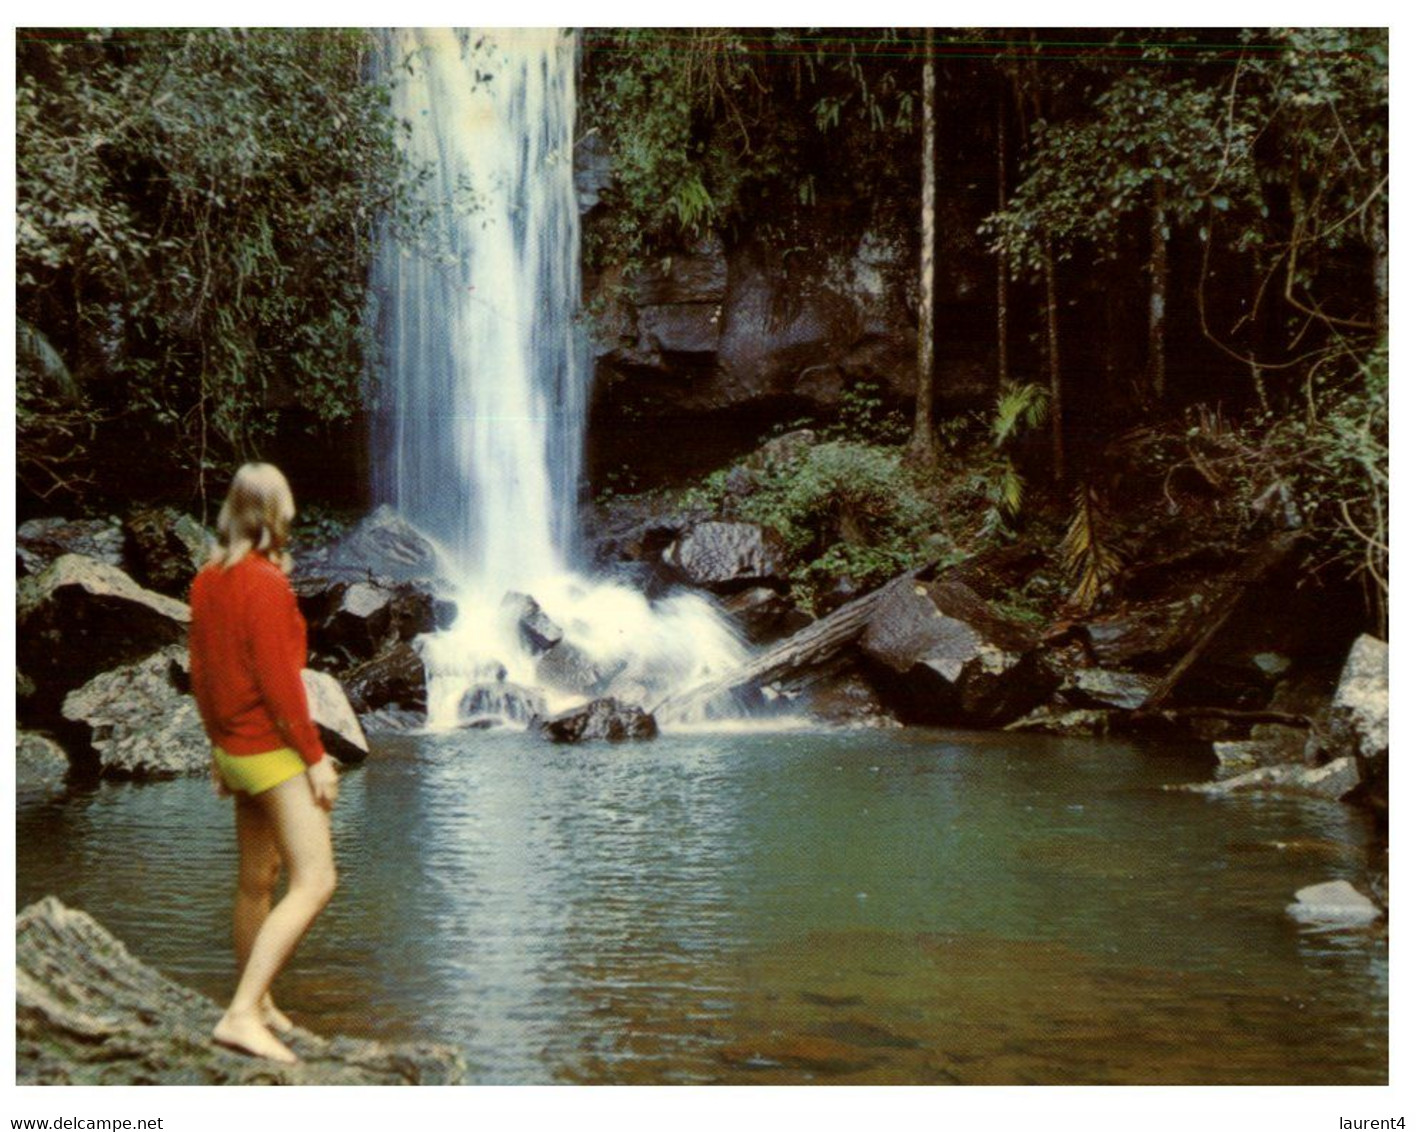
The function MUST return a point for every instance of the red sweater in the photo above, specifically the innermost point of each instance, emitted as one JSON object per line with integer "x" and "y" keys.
{"x": 247, "y": 645}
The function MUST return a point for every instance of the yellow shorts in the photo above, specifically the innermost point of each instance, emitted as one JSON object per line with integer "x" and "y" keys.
{"x": 255, "y": 774}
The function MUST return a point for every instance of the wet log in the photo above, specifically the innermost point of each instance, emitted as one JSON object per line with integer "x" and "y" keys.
{"x": 1259, "y": 563}
{"x": 812, "y": 646}
{"x": 88, "y": 1013}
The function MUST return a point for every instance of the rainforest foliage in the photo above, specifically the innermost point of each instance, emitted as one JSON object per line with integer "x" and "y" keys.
{"x": 195, "y": 216}
{"x": 1189, "y": 229}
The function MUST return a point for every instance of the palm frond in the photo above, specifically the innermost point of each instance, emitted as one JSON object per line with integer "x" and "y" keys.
{"x": 1019, "y": 407}
{"x": 1086, "y": 554}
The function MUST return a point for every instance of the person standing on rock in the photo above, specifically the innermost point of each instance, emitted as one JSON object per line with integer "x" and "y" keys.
{"x": 248, "y": 646}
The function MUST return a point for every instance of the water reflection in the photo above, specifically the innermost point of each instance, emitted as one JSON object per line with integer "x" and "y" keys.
{"x": 745, "y": 907}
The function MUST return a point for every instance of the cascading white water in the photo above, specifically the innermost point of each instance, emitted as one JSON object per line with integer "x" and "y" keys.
{"x": 482, "y": 392}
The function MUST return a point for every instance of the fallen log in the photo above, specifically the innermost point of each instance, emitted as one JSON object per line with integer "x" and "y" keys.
{"x": 811, "y": 646}
{"x": 1259, "y": 562}
{"x": 88, "y": 1013}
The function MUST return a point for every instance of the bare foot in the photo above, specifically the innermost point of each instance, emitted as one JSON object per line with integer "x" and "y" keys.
{"x": 274, "y": 1017}
{"x": 246, "y": 1033}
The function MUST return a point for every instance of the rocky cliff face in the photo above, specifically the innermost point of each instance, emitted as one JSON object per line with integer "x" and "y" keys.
{"x": 714, "y": 345}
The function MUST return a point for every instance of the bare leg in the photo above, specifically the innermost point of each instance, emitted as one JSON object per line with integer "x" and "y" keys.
{"x": 255, "y": 884}
{"x": 302, "y": 835}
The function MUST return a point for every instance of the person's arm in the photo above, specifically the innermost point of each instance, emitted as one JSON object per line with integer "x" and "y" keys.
{"x": 276, "y": 655}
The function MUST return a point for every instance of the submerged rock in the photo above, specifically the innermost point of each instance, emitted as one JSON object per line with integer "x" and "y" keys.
{"x": 1335, "y": 781}
{"x": 1334, "y": 903}
{"x": 606, "y": 718}
{"x": 139, "y": 721}
{"x": 88, "y": 1013}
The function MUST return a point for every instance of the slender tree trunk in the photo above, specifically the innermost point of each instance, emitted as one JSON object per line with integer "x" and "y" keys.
{"x": 1002, "y": 259}
{"x": 1054, "y": 362}
{"x": 1379, "y": 268}
{"x": 1159, "y": 269}
{"x": 922, "y": 449}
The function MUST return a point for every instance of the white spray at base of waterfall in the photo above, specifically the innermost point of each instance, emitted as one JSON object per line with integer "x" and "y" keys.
{"x": 483, "y": 388}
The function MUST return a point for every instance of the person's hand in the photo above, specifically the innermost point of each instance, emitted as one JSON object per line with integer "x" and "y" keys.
{"x": 324, "y": 783}
{"x": 218, "y": 784}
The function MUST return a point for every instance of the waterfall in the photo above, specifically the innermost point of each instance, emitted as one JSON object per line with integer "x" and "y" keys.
{"x": 482, "y": 390}
{"x": 483, "y": 395}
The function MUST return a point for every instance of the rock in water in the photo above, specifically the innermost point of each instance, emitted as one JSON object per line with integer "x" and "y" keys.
{"x": 88, "y": 1013}
{"x": 139, "y": 720}
{"x": 338, "y": 725}
{"x": 41, "y": 766}
{"x": 1334, "y": 903}
{"x": 538, "y": 632}
{"x": 395, "y": 677}
{"x": 1358, "y": 721}
{"x": 600, "y": 719}
{"x": 944, "y": 657}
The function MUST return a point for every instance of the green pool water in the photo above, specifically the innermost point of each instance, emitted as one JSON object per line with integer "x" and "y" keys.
{"x": 778, "y": 907}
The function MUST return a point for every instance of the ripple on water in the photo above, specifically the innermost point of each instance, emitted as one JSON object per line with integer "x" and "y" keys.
{"x": 901, "y": 907}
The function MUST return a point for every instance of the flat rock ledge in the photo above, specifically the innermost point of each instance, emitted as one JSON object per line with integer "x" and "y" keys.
{"x": 88, "y": 1013}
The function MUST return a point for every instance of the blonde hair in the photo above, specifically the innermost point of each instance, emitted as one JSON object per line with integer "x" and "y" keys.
{"x": 256, "y": 517}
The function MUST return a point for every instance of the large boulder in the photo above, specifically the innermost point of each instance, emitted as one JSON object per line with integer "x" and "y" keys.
{"x": 1107, "y": 688}
{"x": 81, "y": 617}
{"x": 1358, "y": 719}
{"x": 354, "y": 621}
{"x": 334, "y": 718}
{"x": 941, "y": 656}
{"x": 538, "y": 632}
{"x": 41, "y": 764}
{"x": 569, "y": 668}
{"x": 165, "y": 549}
{"x": 138, "y": 721}
{"x": 88, "y": 1013}
{"x": 764, "y": 615}
{"x": 39, "y": 543}
{"x": 395, "y": 678}
{"x": 606, "y": 718}
{"x": 728, "y": 557}
{"x": 384, "y": 545}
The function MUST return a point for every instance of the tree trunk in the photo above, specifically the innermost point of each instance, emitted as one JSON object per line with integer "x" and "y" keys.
{"x": 1054, "y": 362}
{"x": 1002, "y": 259}
{"x": 1159, "y": 269}
{"x": 923, "y": 449}
{"x": 1379, "y": 267}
